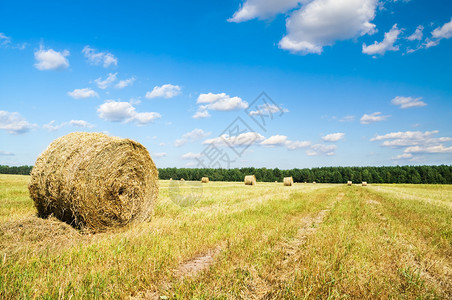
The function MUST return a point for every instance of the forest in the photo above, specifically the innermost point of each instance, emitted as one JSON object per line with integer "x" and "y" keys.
{"x": 395, "y": 174}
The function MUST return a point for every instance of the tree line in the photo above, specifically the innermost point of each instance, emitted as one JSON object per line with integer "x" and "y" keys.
{"x": 398, "y": 174}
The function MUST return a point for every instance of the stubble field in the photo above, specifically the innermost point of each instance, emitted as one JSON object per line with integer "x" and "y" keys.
{"x": 231, "y": 241}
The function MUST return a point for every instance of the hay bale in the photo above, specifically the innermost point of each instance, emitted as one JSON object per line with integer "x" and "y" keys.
{"x": 94, "y": 182}
{"x": 205, "y": 180}
{"x": 182, "y": 179}
{"x": 314, "y": 182}
{"x": 171, "y": 179}
{"x": 349, "y": 183}
{"x": 288, "y": 181}
{"x": 364, "y": 183}
{"x": 250, "y": 180}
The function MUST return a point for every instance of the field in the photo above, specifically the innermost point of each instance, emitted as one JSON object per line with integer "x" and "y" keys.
{"x": 239, "y": 242}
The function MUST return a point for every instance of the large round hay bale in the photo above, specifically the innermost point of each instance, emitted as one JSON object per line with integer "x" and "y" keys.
{"x": 349, "y": 183}
{"x": 250, "y": 180}
{"x": 94, "y": 181}
{"x": 364, "y": 183}
{"x": 288, "y": 181}
{"x": 205, "y": 180}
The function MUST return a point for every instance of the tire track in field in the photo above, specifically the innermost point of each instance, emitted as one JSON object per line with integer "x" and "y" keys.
{"x": 309, "y": 225}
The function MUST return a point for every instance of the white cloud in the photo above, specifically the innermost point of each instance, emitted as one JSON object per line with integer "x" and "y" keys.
{"x": 408, "y": 102}
{"x": 14, "y": 123}
{"x": 372, "y": 118}
{"x": 267, "y": 109}
{"x": 321, "y": 149}
{"x": 429, "y": 149}
{"x": 191, "y": 155}
{"x": 192, "y": 136}
{"x": 159, "y": 154}
{"x": 165, "y": 91}
{"x": 443, "y": 32}
{"x": 125, "y": 83}
{"x": 429, "y": 43}
{"x": 220, "y": 102}
{"x": 347, "y": 119}
{"x": 52, "y": 126}
{"x": 415, "y": 142}
{"x": 243, "y": 139}
{"x": 404, "y": 156}
{"x": 276, "y": 140}
{"x": 294, "y": 145}
{"x": 321, "y": 23}
{"x": 262, "y": 9}
{"x": 83, "y": 93}
{"x": 116, "y": 111}
{"x": 103, "y": 84}
{"x": 386, "y": 45}
{"x": 105, "y": 59}
{"x": 201, "y": 114}
{"x": 333, "y": 137}
{"x": 417, "y": 35}
{"x": 4, "y": 40}
{"x": 80, "y": 123}
{"x": 51, "y": 59}
{"x": 4, "y": 153}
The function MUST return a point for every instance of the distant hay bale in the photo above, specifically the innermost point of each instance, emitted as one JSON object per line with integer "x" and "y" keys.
{"x": 364, "y": 183}
{"x": 349, "y": 183}
{"x": 171, "y": 179}
{"x": 205, "y": 180}
{"x": 314, "y": 182}
{"x": 250, "y": 180}
{"x": 94, "y": 182}
{"x": 182, "y": 179}
{"x": 288, "y": 181}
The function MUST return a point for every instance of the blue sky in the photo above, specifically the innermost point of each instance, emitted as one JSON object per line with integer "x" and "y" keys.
{"x": 351, "y": 82}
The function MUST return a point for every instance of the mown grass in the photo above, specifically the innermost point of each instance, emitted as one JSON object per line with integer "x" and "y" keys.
{"x": 370, "y": 244}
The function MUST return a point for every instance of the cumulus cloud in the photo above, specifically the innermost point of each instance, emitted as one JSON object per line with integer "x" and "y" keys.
{"x": 105, "y": 59}
{"x": 105, "y": 83}
{"x": 53, "y": 126}
{"x": 294, "y": 145}
{"x": 80, "y": 123}
{"x": 408, "y": 102}
{"x": 415, "y": 142}
{"x": 191, "y": 155}
{"x": 386, "y": 45}
{"x": 373, "y": 117}
{"x": 417, "y": 35}
{"x": 51, "y": 59}
{"x": 262, "y": 9}
{"x": 321, "y": 23}
{"x": 276, "y": 140}
{"x": 403, "y": 156}
{"x": 267, "y": 109}
{"x": 443, "y": 32}
{"x": 201, "y": 114}
{"x": 321, "y": 149}
{"x": 4, "y": 153}
{"x": 83, "y": 93}
{"x": 333, "y": 137}
{"x": 125, "y": 83}
{"x": 243, "y": 139}
{"x": 159, "y": 154}
{"x": 14, "y": 123}
{"x": 117, "y": 111}
{"x": 192, "y": 136}
{"x": 165, "y": 91}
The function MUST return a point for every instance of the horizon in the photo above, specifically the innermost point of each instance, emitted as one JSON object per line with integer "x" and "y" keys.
{"x": 274, "y": 84}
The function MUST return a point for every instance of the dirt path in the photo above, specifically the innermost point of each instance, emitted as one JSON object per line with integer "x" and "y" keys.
{"x": 309, "y": 225}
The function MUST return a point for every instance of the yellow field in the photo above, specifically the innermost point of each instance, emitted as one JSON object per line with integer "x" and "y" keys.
{"x": 231, "y": 241}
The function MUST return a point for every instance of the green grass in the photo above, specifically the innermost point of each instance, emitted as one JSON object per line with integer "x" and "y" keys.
{"x": 382, "y": 241}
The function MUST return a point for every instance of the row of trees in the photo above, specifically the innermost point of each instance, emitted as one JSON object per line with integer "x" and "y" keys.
{"x": 398, "y": 174}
